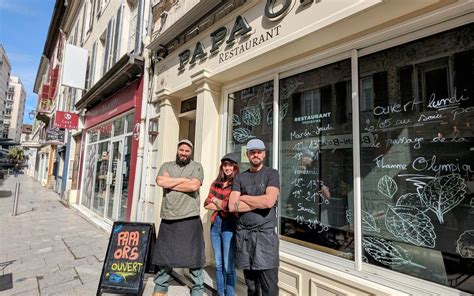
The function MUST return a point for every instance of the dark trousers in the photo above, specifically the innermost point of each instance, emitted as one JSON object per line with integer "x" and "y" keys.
{"x": 262, "y": 282}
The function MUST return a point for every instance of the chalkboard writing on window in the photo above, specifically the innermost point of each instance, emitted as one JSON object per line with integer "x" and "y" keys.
{"x": 127, "y": 258}
{"x": 316, "y": 159}
{"x": 417, "y": 172}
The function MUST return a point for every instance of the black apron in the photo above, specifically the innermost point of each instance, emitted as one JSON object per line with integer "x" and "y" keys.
{"x": 257, "y": 247}
{"x": 180, "y": 244}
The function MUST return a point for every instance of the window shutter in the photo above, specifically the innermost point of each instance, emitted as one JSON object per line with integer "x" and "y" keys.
{"x": 138, "y": 31}
{"x": 92, "y": 13}
{"x": 118, "y": 34}
{"x": 88, "y": 72}
{"x": 107, "y": 48}
{"x": 76, "y": 32}
{"x": 92, "y": 64}
{"x": 83, "y": 29}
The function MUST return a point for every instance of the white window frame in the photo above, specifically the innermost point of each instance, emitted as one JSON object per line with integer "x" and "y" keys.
{"x": 87, "y": 143}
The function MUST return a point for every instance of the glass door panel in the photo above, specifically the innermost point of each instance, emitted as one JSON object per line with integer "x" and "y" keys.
{"x": 100, "y": 188}
{"x": 125, "y": 169}
{"x": 114, "y": 179}
{"x": 89, "y": 170}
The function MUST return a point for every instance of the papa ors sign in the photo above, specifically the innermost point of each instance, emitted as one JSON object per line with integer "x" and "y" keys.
{"x": 274, "y": 10}
{"x": 127, "y": 258}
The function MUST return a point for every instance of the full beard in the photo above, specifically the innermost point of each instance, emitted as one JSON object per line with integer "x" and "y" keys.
{"x": 255, "y": 162}
{"x": 182, "y": 162}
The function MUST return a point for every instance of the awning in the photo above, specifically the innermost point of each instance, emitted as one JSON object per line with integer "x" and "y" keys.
{"x": 128, "y": 68}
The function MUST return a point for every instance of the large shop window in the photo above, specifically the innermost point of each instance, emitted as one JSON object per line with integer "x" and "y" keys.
{"x": 418, "y": 166}
{"x": 251, "y": 116}
{"x": 107, "y": 168}
{"x": 316, "y": 159}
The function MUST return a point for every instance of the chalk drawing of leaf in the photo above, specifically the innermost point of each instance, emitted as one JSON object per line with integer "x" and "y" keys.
{"x": 242, "y": 134}
{"x": 251, "y": 115}
{"x": 368, "y": 222}
{"x": 283, "y": 111}
{"x": 236, "y": 120}
{"x": 270, "y": 117}
{"x": 289, "y": 87}
{"x": 387, "y": 253}
{"x": 387, "y": 186}
{"x": 349, "y": 216}
{"x": 411, "y": 225}
{"x": 411, "y": 200}
{"x": 465, "y": 244}
{"x": 444, "y": 193}
{"x": 365, "y": 259}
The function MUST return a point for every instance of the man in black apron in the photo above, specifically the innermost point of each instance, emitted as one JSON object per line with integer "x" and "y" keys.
{"x": 180, "y": 242}
{"x": 254, "y": 195}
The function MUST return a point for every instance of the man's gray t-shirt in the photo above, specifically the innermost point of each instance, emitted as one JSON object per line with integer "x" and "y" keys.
{"x": 180, "y": 205}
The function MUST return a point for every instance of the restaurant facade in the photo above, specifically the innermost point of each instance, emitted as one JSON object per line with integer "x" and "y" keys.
{"x": 370, "y": 100}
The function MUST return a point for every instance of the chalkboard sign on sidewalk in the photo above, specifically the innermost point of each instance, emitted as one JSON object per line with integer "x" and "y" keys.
{"x": 127, "y": 258}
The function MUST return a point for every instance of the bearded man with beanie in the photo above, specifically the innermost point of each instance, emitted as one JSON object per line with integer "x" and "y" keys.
{"x": 180, "y": 242}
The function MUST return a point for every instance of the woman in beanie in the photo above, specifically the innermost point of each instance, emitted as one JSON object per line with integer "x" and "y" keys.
{"x": 223, "y": 225}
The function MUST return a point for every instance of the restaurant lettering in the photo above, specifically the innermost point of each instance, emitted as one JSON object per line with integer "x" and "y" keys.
{"x": 274, "y": 10}
{"x": 251, "y": 43}
{"x": 240, "y": 28}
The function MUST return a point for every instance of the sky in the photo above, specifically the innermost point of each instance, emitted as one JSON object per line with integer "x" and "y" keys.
{"x": 23, "y": 29}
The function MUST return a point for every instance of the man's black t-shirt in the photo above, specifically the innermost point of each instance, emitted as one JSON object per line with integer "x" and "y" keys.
{"x": 256, "y": 239}
{"x": 255, "y": 184}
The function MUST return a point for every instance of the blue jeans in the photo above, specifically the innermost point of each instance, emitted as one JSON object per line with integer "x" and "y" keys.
{"x": 223, "y": 243}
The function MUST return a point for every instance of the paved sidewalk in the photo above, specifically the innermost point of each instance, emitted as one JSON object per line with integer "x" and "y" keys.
{"x": 56, "y": 251}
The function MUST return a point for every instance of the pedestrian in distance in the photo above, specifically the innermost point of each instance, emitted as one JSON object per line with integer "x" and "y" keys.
{"x": 254, "y": 196}
{"x": 180, "y": 242}
{"x": 223, "y": 225}
{"x": 16, "y": 169}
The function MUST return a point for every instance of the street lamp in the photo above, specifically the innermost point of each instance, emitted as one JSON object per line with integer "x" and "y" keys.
{"x": 32, "y": 114}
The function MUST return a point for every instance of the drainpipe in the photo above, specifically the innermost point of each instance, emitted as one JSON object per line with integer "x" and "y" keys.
{"x": 140, "y": 169}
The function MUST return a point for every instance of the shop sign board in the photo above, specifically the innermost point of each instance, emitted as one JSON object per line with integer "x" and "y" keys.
{"x": 55, "y": 135}
{"x": 116, "y": 104}
{"x": 127, "y": 259}
{"x": 242, "y": 37}
{"x": 67, "y": 120}
{"x": 267, "y": 26}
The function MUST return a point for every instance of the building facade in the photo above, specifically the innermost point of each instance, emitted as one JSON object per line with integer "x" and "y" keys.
{"x": 371, "y": 99}
{"x": 104, "y": 150}
{"x": 14, "y": 109}
{"x": 5, "y": 68}
{"x": 48, "y": 138}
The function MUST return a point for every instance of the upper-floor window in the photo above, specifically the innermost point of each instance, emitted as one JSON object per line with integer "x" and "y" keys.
{"x": 366, "y": 93}
{"x": 110, "y": 40}
{"x": 91, "y": 66}
{"x": 133, "y": 5}
{"x": 101, "y": 6}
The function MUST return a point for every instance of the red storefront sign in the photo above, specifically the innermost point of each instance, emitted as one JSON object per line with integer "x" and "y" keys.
{"x": 66, "y": 120}
{"x": 121, "y": 101}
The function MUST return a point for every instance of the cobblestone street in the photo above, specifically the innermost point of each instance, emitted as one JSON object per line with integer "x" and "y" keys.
{"x": 55, "y": 251}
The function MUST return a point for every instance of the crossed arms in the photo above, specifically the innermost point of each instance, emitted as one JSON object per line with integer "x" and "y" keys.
{"x": 247, "y": 203}
{"x": 178, "y": 183}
